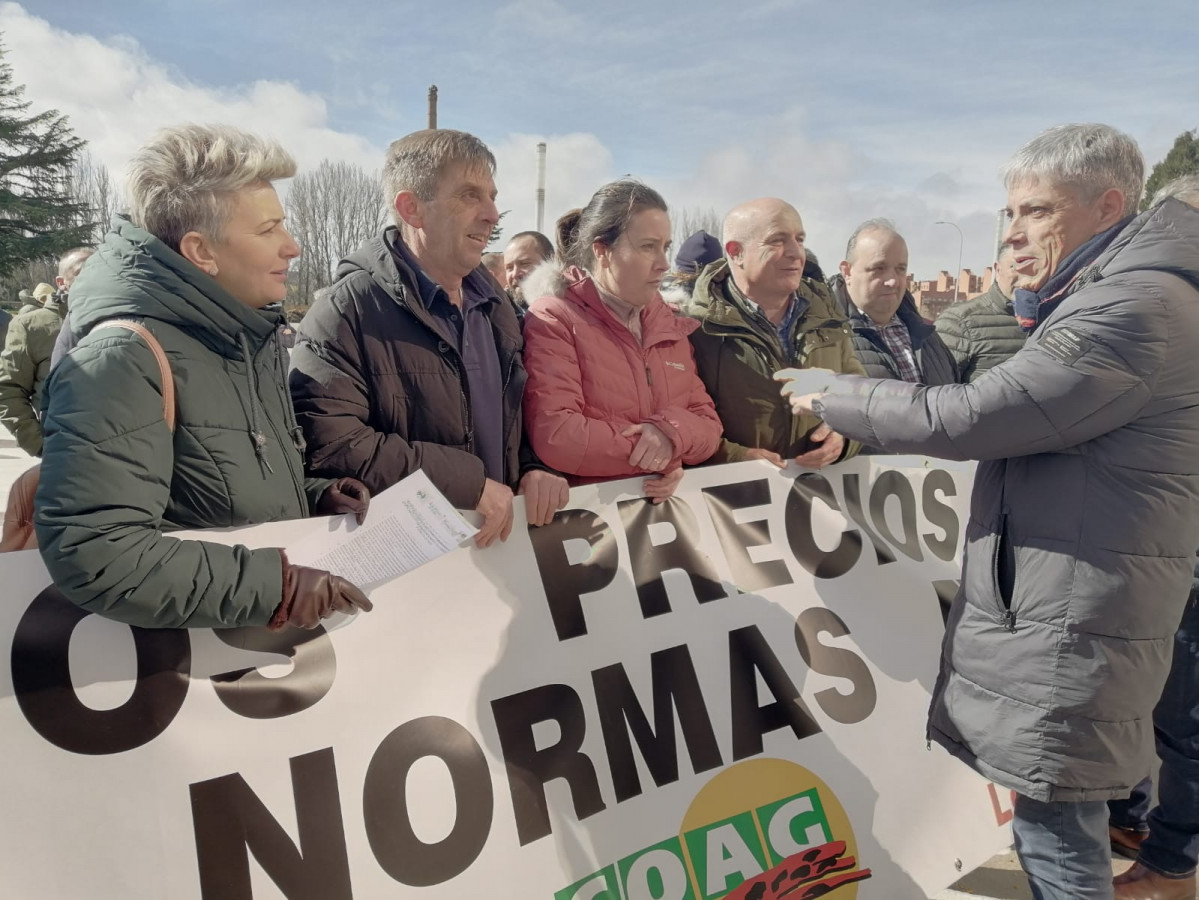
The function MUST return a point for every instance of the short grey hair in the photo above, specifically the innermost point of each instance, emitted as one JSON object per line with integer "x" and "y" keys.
{"x": 72, "y": 261}
{"x": 1091, "y": 158}
{"x": 186, "y": 177}
{"x": 878, "y": 224}
{"x": 417, "y": 161}
{"x": 1184, "y": 188}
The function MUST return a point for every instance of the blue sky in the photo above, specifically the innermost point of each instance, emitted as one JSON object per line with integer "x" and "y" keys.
{"x": 847, "y": 109}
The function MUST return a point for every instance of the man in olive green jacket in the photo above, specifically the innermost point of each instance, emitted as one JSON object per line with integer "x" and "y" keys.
{"x": 25, "y": 362}
{"x": 983, "y": 332}
{"x": 758, "y": 314}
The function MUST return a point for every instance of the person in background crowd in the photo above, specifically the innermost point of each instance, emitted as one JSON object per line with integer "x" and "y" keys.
{"x": 1165, "y": 841}
{"x": 758, "y": 314}
{"x": 699, "y": 250}
{"x": 414, "y": 359}
{"x": 811, "y": 267}
{"x": 5, "y": 318}
{"x": 983, "y": 332}
{"x": 29, "y": 302}
{"x": 612, "y": 387}
{"x": 525, "y": 252}
{"x": 890, "y": 337}
{"x": 28, "y": 347}
{"x": 494, "y": 263}
{"x": 1085, "y": 511}
{"x": 202, "y": 252}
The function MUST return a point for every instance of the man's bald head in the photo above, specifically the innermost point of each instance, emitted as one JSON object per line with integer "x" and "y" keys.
{"x": 764, "y": 241}
{"x": 745, "y": 221}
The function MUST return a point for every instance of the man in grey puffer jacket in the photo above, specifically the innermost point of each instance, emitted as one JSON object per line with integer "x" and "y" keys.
{"x": 1085, "y": 512}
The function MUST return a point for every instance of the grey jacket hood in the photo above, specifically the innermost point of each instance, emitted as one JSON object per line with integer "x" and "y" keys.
{"x": 1162, "y": 239}
{"x": 135, "y": 274}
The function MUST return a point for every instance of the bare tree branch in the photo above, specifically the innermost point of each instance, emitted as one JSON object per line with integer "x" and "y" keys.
{"x": 331, "y": 211}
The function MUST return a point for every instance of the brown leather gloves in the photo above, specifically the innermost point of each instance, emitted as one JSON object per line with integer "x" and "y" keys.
{"x": 345, "y": 495}
{"x": 310, "y": 595}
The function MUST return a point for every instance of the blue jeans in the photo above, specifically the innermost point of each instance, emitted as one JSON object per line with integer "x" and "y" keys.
{"x": 1063, "y": 848}
{"x": 1133, "y": 814}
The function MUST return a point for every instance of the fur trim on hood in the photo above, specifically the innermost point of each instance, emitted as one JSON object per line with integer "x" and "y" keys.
{"x": 547, "y": 280}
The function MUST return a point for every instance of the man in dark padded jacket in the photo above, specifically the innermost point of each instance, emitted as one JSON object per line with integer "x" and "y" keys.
{"x": 413, "y": 360}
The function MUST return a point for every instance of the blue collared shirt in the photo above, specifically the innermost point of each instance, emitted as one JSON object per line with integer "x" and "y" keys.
{"x": 468, "y": 330}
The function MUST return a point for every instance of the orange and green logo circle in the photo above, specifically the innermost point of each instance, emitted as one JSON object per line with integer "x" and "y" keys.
{"x": 765, "y": 829}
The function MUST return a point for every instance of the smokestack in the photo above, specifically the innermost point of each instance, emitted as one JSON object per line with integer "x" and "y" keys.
{"x": 432, "y": 106}
{"x": 540, "y": 186}
{"x": 1000, "y": 228}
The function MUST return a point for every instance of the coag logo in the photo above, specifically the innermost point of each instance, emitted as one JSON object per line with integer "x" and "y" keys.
{"x": 760, "y": 830}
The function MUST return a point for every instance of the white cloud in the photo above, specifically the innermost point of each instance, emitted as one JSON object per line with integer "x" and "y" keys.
{"x": 117, "y": 96}
{"x": 576, "y": 164}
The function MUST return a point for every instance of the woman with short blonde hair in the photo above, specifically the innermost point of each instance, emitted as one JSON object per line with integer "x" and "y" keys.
{"x": 201, "y": 264}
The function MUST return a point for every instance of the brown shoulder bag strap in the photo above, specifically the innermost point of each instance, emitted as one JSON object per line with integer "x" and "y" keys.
{"x": 164, "y": 367}
{"x": 17, "y": 532}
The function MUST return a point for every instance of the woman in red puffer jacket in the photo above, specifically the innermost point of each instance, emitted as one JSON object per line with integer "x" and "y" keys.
{"x": 612, "y": 389}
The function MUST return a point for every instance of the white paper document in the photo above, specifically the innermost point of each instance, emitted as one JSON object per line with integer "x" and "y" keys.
{"x": 408, "y": 525}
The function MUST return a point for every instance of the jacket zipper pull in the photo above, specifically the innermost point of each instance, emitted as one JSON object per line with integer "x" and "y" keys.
{"x": 648, "y": 376}
{"x": 1009, "y": 620}
{"x": 260, "y": 450}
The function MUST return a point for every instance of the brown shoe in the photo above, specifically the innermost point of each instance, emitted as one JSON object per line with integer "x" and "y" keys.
{"x": 1126, "y": 842}
{"x": 1139, "y": 883}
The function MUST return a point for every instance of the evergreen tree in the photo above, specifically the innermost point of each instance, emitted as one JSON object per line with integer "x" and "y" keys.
{"x": 497, "y": 230}
{"x": 38, "y": 215}
{"x": 1183, "y": 159}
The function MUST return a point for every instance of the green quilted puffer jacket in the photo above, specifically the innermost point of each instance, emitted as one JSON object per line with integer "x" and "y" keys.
{"x": 114, "y": 478}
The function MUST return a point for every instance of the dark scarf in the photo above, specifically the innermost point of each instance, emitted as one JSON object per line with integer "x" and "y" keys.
{"x": 1033, "y": 307}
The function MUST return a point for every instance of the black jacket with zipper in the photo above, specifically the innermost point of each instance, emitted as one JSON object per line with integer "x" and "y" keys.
{"x": 380, "y": 393}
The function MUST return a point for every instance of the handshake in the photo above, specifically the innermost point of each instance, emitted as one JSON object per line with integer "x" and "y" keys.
{"x": 310, "y": 595}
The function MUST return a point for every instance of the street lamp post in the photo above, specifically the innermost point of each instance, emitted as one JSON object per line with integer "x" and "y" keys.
{"x": 957, "y": 277}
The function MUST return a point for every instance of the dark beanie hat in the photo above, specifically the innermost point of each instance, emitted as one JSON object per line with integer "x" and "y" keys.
{"x": 697, "y": 251}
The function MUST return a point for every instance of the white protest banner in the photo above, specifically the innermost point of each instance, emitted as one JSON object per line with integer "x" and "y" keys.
{"x": 723, "y": 695}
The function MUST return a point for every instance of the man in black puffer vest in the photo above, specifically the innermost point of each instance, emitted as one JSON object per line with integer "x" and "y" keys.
{"x": 890, "y": 337}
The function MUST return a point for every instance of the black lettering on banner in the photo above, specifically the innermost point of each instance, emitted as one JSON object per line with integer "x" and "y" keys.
{"x": 723, "y": 502}
{"x": 400, "y": 853}
{"x": 853, "y": 508}
{"x": 530, "y": 769}
{"x": 565, "y": 584}
{"x": 41, "y": 676}
{"x": 230, "y": 821}
{"x": 649, "y": 561}
{"x": 947, "y": 592}
{"x": 895, "y": 484}
{"x": 797, "y": 515}
{"x": 940, "y": 514}
{"x": 847, "y": 709}
{"x": 749, "y": 654}
{"x": 675, "y": 687}
{"x": 250, "y": 694}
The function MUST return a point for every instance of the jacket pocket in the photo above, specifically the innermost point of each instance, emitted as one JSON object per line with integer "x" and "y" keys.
{"x": 1003, "y": 573}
